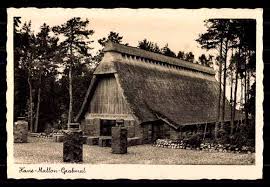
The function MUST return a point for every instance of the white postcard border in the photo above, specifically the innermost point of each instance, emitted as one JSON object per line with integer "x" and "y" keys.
{"x": 134, "y": 171}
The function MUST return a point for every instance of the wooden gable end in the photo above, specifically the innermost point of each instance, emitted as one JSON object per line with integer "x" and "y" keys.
{"x": 107, "y": 100}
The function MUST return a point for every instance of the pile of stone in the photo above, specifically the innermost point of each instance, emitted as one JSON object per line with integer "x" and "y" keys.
{"x": 105, "y": 141}
{"x": 210, "y": 147}
{"x": 43, "y": 135}
{"x": 57, "y": 131}
{"x": 226, "y": 148}
{"x": 58, "y": 135}
{"x": 33, "y": 134}
{"x": 167, "y": 143}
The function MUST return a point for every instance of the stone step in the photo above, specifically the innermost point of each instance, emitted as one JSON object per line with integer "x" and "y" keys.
{"x": 134, "y": 141}
{"x": 92, "y": 140}
{"x": 105, "y": 141}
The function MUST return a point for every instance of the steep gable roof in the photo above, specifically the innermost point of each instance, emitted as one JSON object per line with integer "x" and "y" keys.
{"x": 159, "y": 87}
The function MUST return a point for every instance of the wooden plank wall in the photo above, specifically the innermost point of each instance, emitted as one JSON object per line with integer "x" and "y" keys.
{"x": 107, "y": 98}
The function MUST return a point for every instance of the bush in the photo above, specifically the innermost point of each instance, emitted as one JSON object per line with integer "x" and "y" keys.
{"x": 239, "y": 139}
{"x": 243, "y": 137}
{"x": 209, "y": 136}
{"x": 223, "y": 137}
{"x": 194, "y": 140}
{"x": 251, "y": 142}
{"x": 48, "y": 130}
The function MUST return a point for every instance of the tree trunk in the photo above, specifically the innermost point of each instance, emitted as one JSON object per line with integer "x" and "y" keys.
{"x": 219, "y": 95}
{"x": 248, "y": 85}
{"x": 30, "y": 113}
{"x": 241, "y": 95}
{"x": 235, "y": 89}
{"x": 70, "y": 111}
{"x": 245, "y": 96}
{"x": 247, "y": 88}
{"x": 38, "y": 104}
{"x": 235, "y": 98}
{"x": 231, "y": 98}
{"x": 70, "y": 97}
{"x": 204, "y": 132}
{"x": 224, "y": 86}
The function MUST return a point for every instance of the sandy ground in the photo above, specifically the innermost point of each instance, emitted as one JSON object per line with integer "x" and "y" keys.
{"x": 45, "y": 151}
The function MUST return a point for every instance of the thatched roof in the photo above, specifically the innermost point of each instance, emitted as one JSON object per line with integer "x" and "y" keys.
{"x": 146, "y": 55}
{"x": 157, "y": 87}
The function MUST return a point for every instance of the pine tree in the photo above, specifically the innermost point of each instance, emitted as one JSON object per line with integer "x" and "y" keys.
{"x": 75, "y": 43}
{"x": 46, "y": 47}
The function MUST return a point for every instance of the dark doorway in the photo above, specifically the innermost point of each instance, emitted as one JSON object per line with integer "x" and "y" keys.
{"x": 106, "y": 127}
{"x": 157, "y": 132}
{"x": 152, "y": 132}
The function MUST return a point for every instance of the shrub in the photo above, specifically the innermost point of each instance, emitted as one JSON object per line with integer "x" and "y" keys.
{"x": 251, "y": 142}
{"x": 239, "y": 139}
{"x": 242, "y": 137}
{"x": 208, "y": 135}
{"x": 48, "y": 130}
{"x": 194, "y": 140}
{"x": 223, "y": 137}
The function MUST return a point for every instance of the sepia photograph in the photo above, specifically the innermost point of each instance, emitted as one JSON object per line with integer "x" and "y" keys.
{"x": 135, "y": 93}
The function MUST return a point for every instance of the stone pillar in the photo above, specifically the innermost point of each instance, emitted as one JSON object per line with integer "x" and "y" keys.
{"x": 73, "y": 146}
{"x": 88, "y": 127}
{"x": 95, "y": 131}
{"x": 20, "y": 130}
{"x": 119, "y": 140}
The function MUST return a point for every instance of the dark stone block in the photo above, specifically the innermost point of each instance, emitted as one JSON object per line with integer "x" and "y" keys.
{"x": 119, "y": 140}
{"x": 82, "y": 125}
{"x": 88, "y": 129}
{"x": 134, "y": 141}
{"x": 84, "y": 139}
{"x": 20, "y": 131}
{"x": 104, "y": 141}
{"x": 73, "y": 146}
{"x": 92, "y": 127}
{"x": 58, "y": 137}
{"x": 92, "y": 140}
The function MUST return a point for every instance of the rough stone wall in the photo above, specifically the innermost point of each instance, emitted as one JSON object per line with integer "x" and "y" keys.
{"x": 88, "y": 127}
{"x": 147, "y": 130}
{"x": 92, "y": 127}
{"x": 138, "y": 130}
{"x": 82, "y": 125}
{"x": 187, "y": 132}
{"x": 129, "y": 124}
{"x": 174, "y": 135}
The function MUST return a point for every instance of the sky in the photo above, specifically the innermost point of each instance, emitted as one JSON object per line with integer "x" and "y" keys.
{"x": 178, "y": 30}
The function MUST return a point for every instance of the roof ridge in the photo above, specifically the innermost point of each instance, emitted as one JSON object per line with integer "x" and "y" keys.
{"x": 134, "y": 51}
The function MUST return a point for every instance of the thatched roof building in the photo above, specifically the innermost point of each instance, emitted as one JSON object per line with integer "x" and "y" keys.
{"x": 155, "y": 87}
